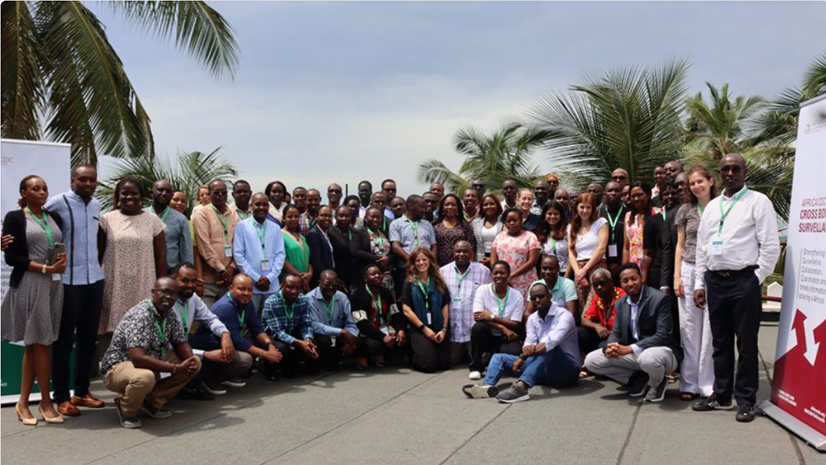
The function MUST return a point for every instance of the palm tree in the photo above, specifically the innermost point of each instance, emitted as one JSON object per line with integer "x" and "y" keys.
{"x": 505, "y": 154}
{"x": 187, "y": 173}
{"x": 625, "y": 118}
{"x": 63, "y": 81}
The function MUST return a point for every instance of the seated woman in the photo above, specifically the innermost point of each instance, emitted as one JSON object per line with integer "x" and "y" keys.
{"x": 497, "y": 310}
{"x": 381, "y": 325}
{"x": 425, "y": 301}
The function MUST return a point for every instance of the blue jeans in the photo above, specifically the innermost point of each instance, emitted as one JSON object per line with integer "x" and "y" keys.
{"x": 552, "y": 368}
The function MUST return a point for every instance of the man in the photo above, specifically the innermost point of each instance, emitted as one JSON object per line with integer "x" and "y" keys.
{"x": 621, "y": 176}
{"x": 614, "y": 211}
{"x": 470, "y": 201}
{"x": 462, "y": 278}
{"x": 541, "y": 189}
{"x": 176, "y": 230}
{"x": 659, "y": 178}
{"x": 300, "y": 199}
{"x": 670, "y": 172}
{"x": 682, "y": 188}
{"x": 737, "y": 247}
{"x": 334, "y": 193}
{"x": 573, "y": 196}
{"x": 236, "y": 312}
{"x": 398, "y": 207}
{"x": 322, "y": 254}
{"x": 334, "y": 329}
{"x": 550, "y": 355}
{"x": 258, "y": 250}
{"x": 641, "y": 348}
{"x": 388, "y": 186}
{"x": 241, "y": 193}
{"x": 365, "y": 190}
{"x": 595, "y": 189}
{"x": 563, "y": 290}
{"x": 308, "y": 219}
{"x": 137, "y": 364}
{"x": 598, "y": 320}
{"x": 657, "y": 246}
{"x": 509, "y": 193}
{"x": 214, "y": 228}
{"x": 561, "y": 197}
{"x": 479, "y": 186}
{"x": 287, "y": 320}
{"x": 79, "y": 213}
{"x": 431, "y": 204}
{"x": 407, "y": 233}
{"x": 438, "y": 189}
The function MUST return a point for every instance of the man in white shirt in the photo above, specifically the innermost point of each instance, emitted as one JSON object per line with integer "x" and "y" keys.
{"x": 549, "y": 357}
{"x": 737, "y": 247}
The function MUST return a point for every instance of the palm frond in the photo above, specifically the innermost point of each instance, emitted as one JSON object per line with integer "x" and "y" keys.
{"x": 22, "y": 80}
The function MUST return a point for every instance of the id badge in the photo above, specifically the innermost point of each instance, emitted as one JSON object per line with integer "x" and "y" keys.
{"x": 385, "y": 330}
{"x": 265, "y": 265}
{"x": 612, "y": 250}
{"x": 333, "y": 338}
{"x": 458, "y": 300}
{"x": 717, "y": 248}
{"x": 228, "y": 251}
{"x": 429, "y": 319}
{"x": 56, "y": 276}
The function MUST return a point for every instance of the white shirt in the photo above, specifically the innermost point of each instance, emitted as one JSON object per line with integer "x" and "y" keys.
{"x": 749, "y": 236}
{"x": 635, "y": 314}
{"x": 586, "y": 244}
{"x": 557, "y": 329}
{"x": 486, "y": 299}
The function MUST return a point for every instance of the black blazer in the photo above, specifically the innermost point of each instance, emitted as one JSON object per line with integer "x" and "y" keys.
{"x": 321, "y": 257}
{"x": 655, "y": 328}
{"x": 17, "y": 255}
{"x": 341, "y": 252}
{"x": 362, "y": 255}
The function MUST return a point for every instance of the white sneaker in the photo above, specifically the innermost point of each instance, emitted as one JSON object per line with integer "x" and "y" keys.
{"x": 474, "y": 376}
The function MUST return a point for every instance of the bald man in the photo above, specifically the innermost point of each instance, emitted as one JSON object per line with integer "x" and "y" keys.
{"x": 620, "y": 175}
{"x": 334, "y": 328}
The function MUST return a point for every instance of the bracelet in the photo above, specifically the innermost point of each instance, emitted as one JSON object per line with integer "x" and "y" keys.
{"x": 43, "y": 270}
{"x": 421, "y": 327}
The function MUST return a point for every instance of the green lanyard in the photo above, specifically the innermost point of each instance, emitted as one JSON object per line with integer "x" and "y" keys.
{"x": 224, "y": 223}
{"x": 663, "y": 213}
{"x": 501, "y": 305}
{"x": 613, "y": 223}
{"x": 424, "y": 293}
{"x": 700, "y": 209}
{"x": 183, "y": 312}
{"x": 723, "y": 215}
{"x": 290, "y": 314}
{"x": 43, "y": 222}
{"x": 163, "y": 215}
{"x": 262, "y": 234}
{"x": 461, "y": 278}
{"x": 415, "y": 227}
{"x": 378, "y": 237}
{"x": 241, "y": 320}
{"x": 328, "y": 308}
{"x": 162, "y": 336}
{"x": 242, "y": 215}
{"x": 553, "y": 246}
{"x": 378, "y": 304}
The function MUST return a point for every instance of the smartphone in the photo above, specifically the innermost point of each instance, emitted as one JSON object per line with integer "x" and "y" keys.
{"x": 58, "y": 248}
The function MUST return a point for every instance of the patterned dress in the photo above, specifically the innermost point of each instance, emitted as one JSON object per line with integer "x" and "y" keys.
{"x": 128, "y": 263}
{"x": 380, "y": 245}
{"x": 516, "y": 251}
{"x": 446, "y": 238}
{"x": 633, "y": 234}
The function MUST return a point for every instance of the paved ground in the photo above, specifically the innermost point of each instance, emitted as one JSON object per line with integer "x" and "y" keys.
{"x": 407, "y": 417}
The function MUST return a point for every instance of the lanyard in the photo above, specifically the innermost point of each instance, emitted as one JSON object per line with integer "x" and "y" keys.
{"x": 501, "y": 305}
{"x": 723, "y": 215}
{"x": 553, "y": 246}
{"x": 377, "y": 302}
{"x": 242, "y": 215}
{"x": 290, "y": 314}
{"x": 700, "y": 209}
{"x": 163, "y": 214}
{"x": 328, "y": 308}
{"x": 461, "y": 278}
{"x": 162, "y": 336}
{"x": 613, "y": 223}
{"x": 378, "y": 237}
{"x": 415, "y": 227}
{"x": 241, "y": 320}
{"x": 43, "y": 222}
{"x": 262, "y": 234}
{"x": 183, "y": 312}
{"x": 663, "y": 213}
{"x": 424, "y": 293}
{"x": 224, "y": 223}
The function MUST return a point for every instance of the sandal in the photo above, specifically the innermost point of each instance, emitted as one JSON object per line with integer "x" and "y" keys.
{"x": 688, "y": 396}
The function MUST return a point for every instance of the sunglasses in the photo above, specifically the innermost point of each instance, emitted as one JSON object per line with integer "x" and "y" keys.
{"x": 732, "y": 169}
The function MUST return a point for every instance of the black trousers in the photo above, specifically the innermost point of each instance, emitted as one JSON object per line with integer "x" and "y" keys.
{"x": 328, "y": 356}
{"x": 369, "y": 347}
{"x": 734, "y": 311}
{"x": 293, "y": 356}
{"x": 589, "y": 340}
{"x": 427, "y": 356}
{"x": 483, "y": 341}
{"x": 81, "y": 313}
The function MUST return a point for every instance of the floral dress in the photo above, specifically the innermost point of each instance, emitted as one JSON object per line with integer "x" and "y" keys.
{"x": 379, "y": 245}
{"x": 516, "y": 251}
{"x": 633, "y": 234}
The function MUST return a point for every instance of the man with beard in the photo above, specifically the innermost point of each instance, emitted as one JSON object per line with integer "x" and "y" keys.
{"x": 308, "y": 219}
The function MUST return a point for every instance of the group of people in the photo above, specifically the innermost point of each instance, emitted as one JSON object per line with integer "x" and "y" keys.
{"x": 548, "y": 285}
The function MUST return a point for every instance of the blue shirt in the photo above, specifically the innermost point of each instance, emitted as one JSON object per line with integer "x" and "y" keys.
{"x": 81, "y": 222}
{"x": 279, "y": 326}
{"x": 401, "y": 231}
{"x": 230, "y": 313}
{"x": 177, "y": 235}
{"x": 342, "y": 317}
{"x": 249, "y": 252}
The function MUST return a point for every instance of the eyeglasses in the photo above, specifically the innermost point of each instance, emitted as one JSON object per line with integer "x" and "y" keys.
{"x": 223, "y": 192}
{"x": 619, "y": 178}
{"x": 732, "y": 168}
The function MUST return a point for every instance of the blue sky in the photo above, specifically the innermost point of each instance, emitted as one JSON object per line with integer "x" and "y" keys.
{"x": 340, "y": 92}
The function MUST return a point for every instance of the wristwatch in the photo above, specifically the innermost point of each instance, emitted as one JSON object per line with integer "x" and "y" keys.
{"x": 421, "y": 327}
{"x": 492, "y": 317}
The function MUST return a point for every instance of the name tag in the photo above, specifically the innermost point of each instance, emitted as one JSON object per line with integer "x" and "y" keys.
{"x": 265, "y": 265}
{"x": 385, "y": 330}
{"x": 228, "y": 251}
{"x": 612, "y": 250}
{"x": 56, "y": 276}
{"x": 458, "y": 300}
{"x": 429, "y": 319}
{"x": 717, "y": 248}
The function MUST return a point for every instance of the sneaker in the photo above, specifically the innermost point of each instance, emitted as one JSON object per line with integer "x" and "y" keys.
{"x": 513, "y": 395}
{"x": 656, "y": 394}
{"x": 480, "y": 391}
{"x": 638, "y": 384}
{"x": 711, "y": 403}
{"x": 745, "y": 413}
{"x": 189, "y": 393}
{"x": 126, "y": 422}
{"x": 234, "y": 382}
{"x": 212, "y": 388}
{"x": 475, "y": 375}
{"x": 155, "y": 412}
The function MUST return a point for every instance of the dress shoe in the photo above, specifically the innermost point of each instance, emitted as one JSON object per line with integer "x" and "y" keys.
{"x": 88, "y": 401}
{"x": 68, "y": 409}
{"x": 57, "y": 419}
{"x": 26, "y": 421}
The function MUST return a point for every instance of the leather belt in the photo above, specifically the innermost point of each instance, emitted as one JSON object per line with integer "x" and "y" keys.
{"x": 729, "y": 273}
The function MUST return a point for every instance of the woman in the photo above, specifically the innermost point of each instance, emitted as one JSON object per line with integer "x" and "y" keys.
{"x": 134, "y": 253}
{"x": 587, "y": 244}
{"x": 641, "y": 209}
{"x": 451, "y": 227}
{"x": 354, "y": 203}
{"x": 276, "y": 191}
{"x": 525, "y": 201}
{"x": 341, "y": 235}
{"x": 486, "y": 227}
{"x": 425, "y": 301}
{"x": 203, "y": 198}
{"x": 519, "y": 248}
{"x": 371, "y": 247}
{"x": 697, "y": 368}
{"x": 178, "y": 201}
{"x": 381, "y": 325}
{"x": 33, "y": 303}
{"x": 296, "y": 248}
{"x": 556, "y": 243}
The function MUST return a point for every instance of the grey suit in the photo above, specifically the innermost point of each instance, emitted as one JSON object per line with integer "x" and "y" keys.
{"x": 656, "y": 350}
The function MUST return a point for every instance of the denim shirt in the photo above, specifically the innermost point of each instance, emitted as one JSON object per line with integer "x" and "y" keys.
{"x": 81, "y": 222}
